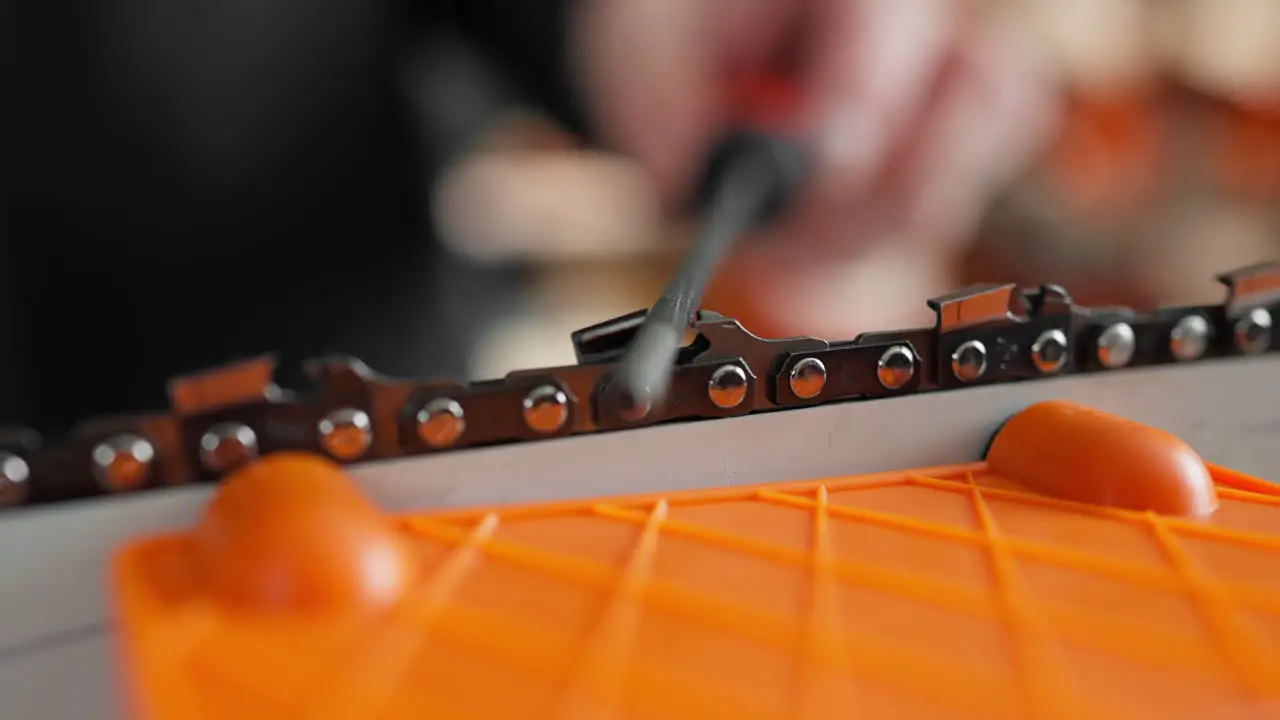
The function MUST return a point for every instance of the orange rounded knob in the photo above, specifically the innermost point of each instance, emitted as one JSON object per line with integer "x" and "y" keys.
{"x": 292, "y": 532}
{"x": 1076, "y": 453}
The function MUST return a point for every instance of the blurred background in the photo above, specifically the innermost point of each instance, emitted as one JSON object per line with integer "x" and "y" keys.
{"x": 1163, "y": 169}
{"x": 199, "y": 180}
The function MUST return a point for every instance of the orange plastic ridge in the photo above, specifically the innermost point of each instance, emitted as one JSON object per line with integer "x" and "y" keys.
{"x": 1227, "y": 478}
{"x": 1074, "y": 452}
{"x": 947, "y": 592}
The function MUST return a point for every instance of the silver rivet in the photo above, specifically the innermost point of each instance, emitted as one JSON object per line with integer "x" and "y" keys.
{"x": 1049, "y": 351}
{"x": 122, "y": 462}
{"x": 728, "y": 387}
{"x": 1253, "y": 331}
{"x": 441, "y": 422}
{"x": 226, "y": 446}
{"x": 1189, "y": 338}
{"x": 14, "y": 473}
{"x": 631, "y": 410}
{"x": 1116, "y": 345}
{"x": 969, "y": 361}
{"x": 546, "y": 409}
{"x": 808, "y": 377}
{"x": 896, "y": 367}
{"x": 346, "y": 433}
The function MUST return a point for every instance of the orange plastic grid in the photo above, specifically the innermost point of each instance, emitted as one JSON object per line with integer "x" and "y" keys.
{"x": 938, "y": 593}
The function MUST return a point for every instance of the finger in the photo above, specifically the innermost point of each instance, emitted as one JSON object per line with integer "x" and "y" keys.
{"x": 647, "y": 74}
{"x": 546, "y": 204}
{"x": 875, "y": 62}
{"x": 993, "y": 120}
{"x": 1025, "y": 95}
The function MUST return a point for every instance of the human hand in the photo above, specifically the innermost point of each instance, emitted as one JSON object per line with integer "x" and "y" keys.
{"x": 914, "y": 107}
{"x": 916, "y": 110}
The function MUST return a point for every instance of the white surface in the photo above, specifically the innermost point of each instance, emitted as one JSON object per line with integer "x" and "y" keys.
{"x": 71, "y": 680}
{"x": 52, "y": 560}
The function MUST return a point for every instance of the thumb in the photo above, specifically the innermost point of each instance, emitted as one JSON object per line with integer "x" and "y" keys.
{"x": 648, "y": 76}
{"x": 875, "y": 64}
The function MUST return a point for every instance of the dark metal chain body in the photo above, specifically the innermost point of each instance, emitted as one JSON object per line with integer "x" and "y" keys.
{"x": 225, "y": 417}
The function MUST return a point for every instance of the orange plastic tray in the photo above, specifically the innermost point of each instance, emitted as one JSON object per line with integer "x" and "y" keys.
{"x": 947, "y": 592}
